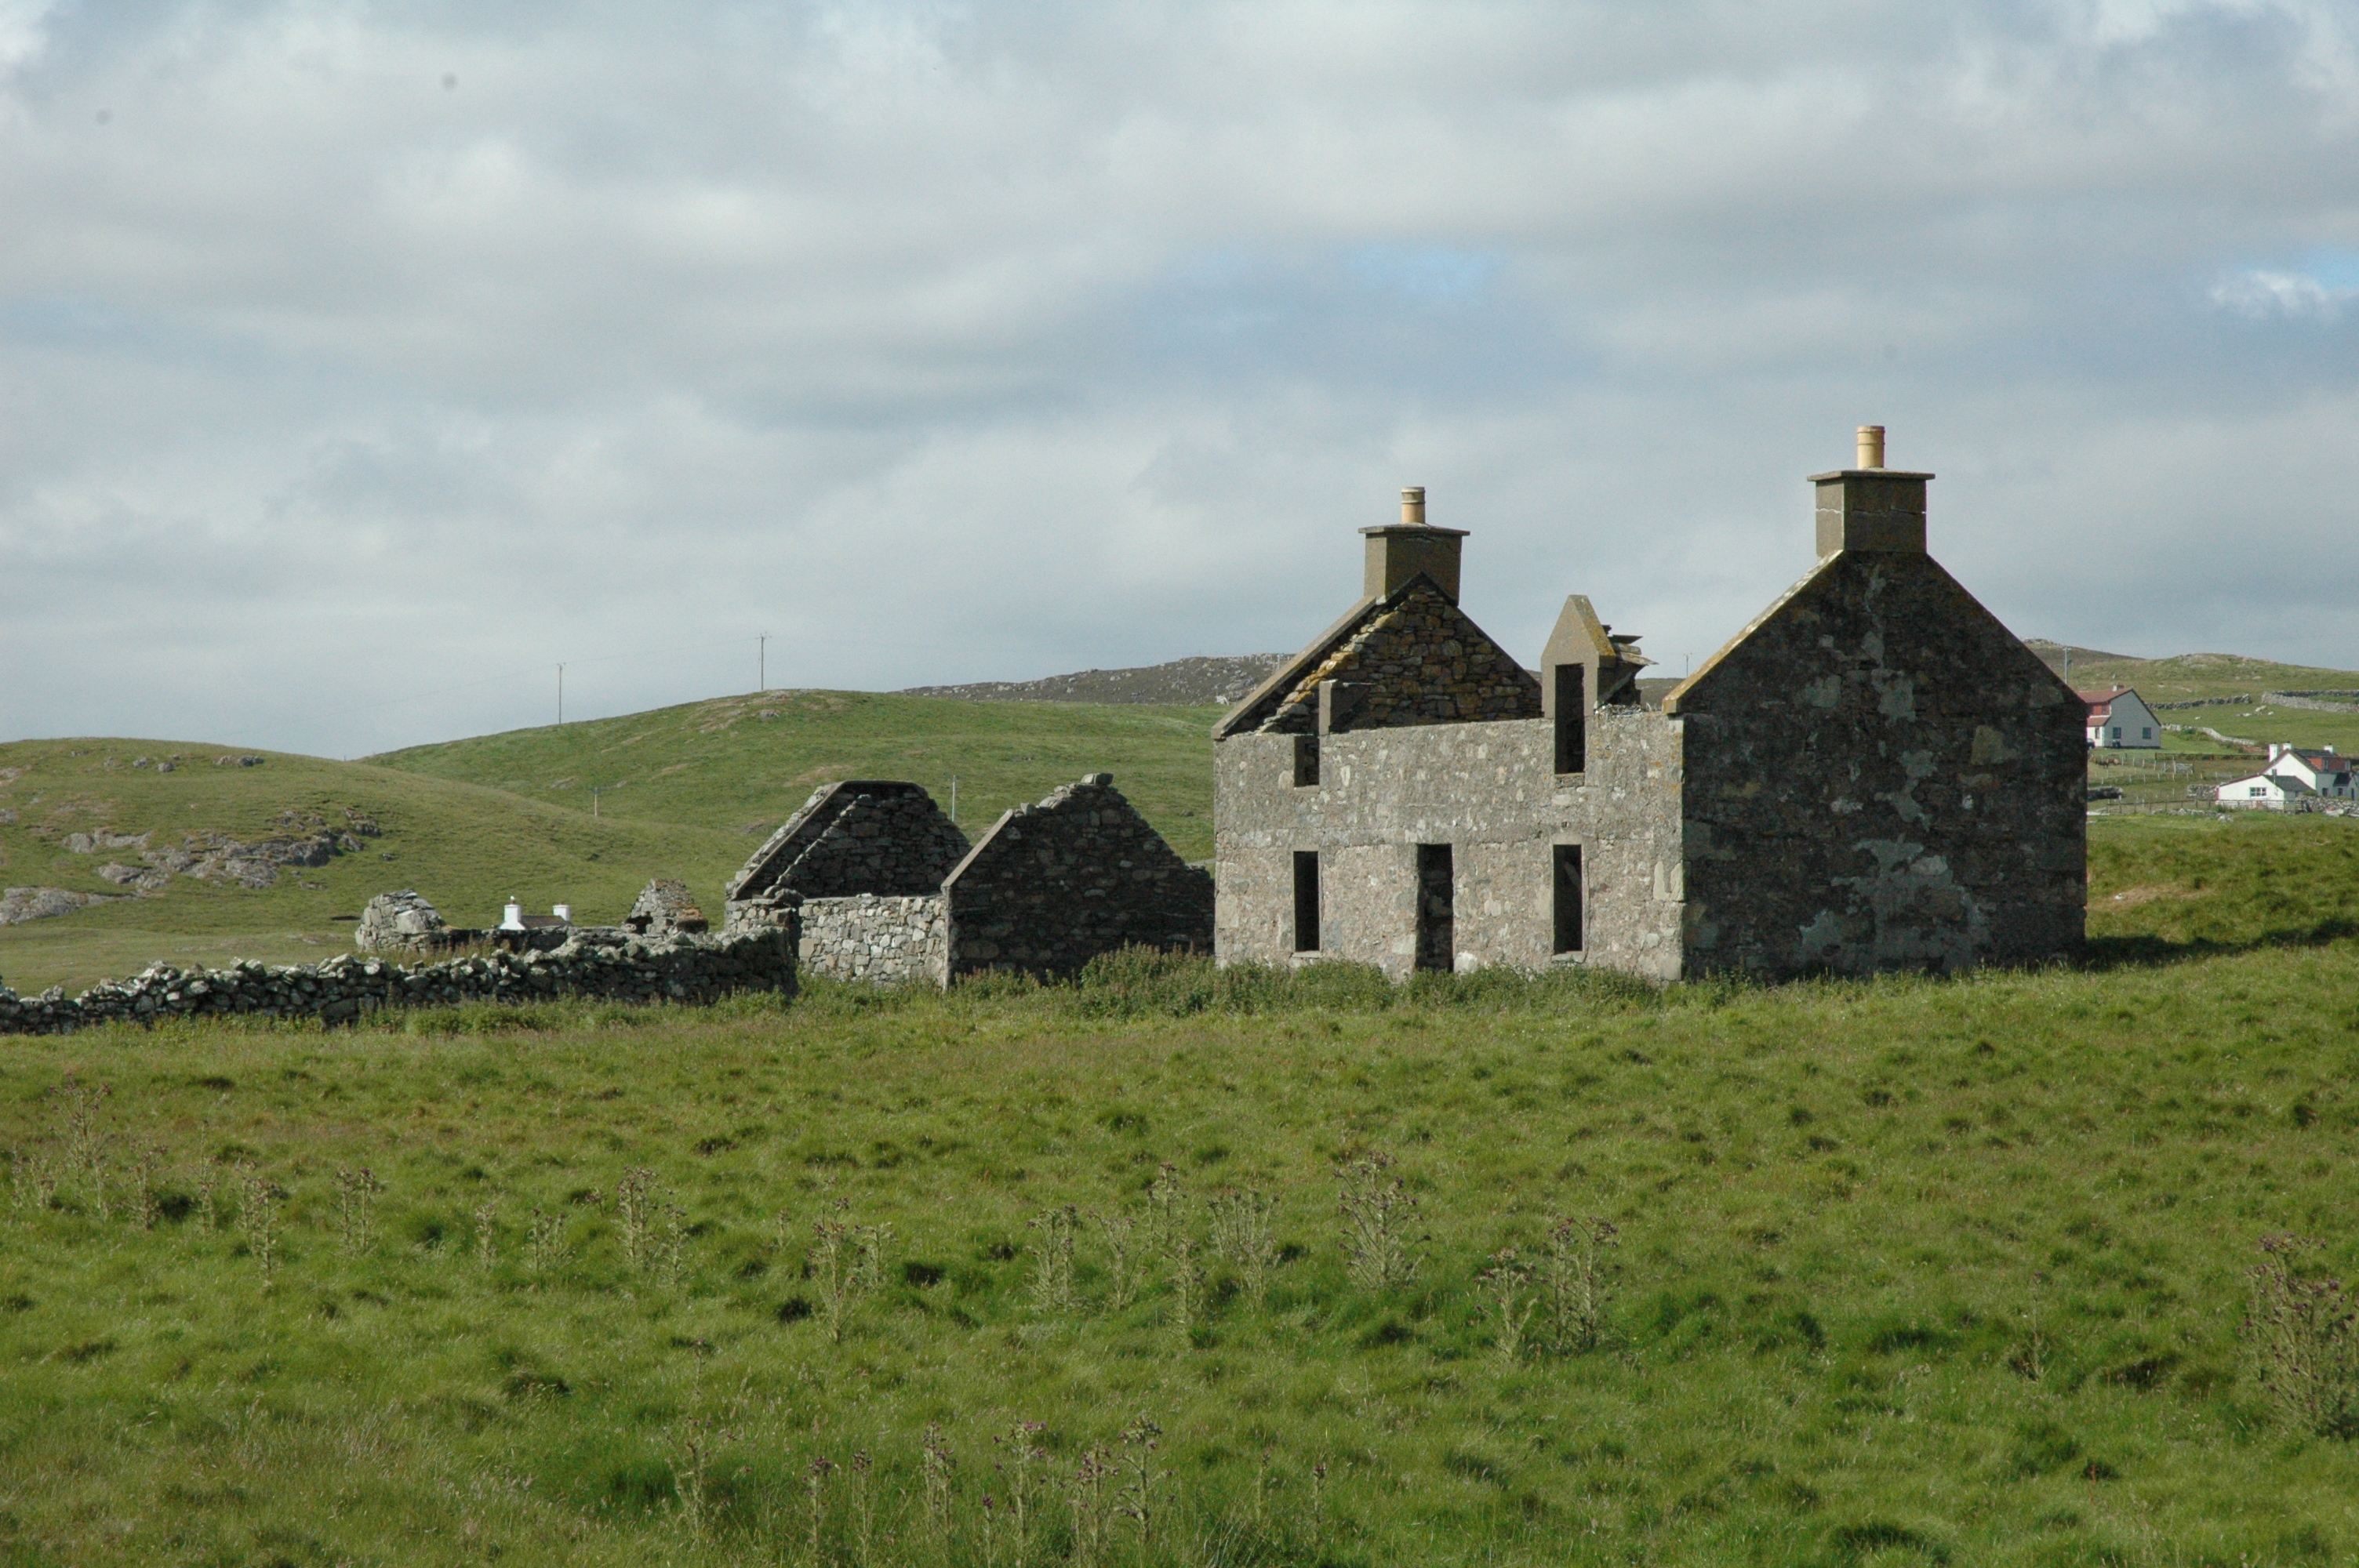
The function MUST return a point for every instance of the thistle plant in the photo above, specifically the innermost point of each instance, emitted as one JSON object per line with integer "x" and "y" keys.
{"x": 1052, "y": 1259}
{"x": 1579, "y": 1280}
{"x": 1167, "y": 1204}
{"x": 1023, "y": 1456}
{"x": 1186, "y": 1292}
{"x": 85, "y": 1140}
{"x": 357, "y": 1193}
{"x": 259, "y": 1201}
{"x": 815, "y": 1489}
{"x": 544, "y": 1242}
{"x": 488, "y": 1215}
{"x": 863, "y": 1513}
{"x": 1242, "y": 1236}
{"x": 2302, "y": 1333}
{"x": 1377, "y": 1208}
{"x": 1140, "y": 1497}
{"x": 1506, "y": 1281}
{"x": 1085, "y": 1495}
{"x": 146, "y": 1176}
{"x": 848, "y": 1260}
{"x": 635, "y": 1211}
{"x": 934, "y": 1469}
{"x": 1121, "y": 1234}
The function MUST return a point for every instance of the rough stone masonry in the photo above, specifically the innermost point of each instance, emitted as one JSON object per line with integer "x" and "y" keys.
{"x": 866, "y": 878}
{"x": 1873, "y": 775}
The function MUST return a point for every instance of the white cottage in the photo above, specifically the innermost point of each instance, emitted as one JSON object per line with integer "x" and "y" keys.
{"x": 2120, "y": 717}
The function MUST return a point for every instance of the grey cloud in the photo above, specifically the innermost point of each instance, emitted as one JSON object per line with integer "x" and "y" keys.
{"x": 952, "y": 341}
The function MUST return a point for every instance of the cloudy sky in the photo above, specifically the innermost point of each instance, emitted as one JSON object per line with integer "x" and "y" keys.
{"x": 361, "y": 363}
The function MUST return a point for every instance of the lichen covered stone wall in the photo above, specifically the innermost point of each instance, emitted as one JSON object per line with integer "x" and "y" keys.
{"x": 1489, "y": 791}
{"x": 1418, "y": 659}
{"x": 1881, "y": 777}
{"x": 592, "y": 964}
{"x": 883, "y": 941}
{"x": 1053, "y": 885}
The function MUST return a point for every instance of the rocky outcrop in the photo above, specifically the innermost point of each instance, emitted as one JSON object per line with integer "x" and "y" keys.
{"x": 608, "y": 964}
{"x": 400, "y": 921}
{"x": 18, "y": 905}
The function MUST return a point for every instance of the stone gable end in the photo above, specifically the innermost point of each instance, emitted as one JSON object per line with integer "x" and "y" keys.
{"x": 1415, "y": 659}
{"x": 1053, "y": 885}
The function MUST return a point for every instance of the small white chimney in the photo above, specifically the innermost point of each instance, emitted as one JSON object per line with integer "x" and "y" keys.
{"x": 512, "y": 919}
{"x": 563, "y": 912}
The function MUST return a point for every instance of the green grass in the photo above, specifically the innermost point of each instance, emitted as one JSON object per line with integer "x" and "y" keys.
{"x": 1855, "y": 1219}
{"x": 744, "y": 764}
{"x": 465, "y": 846}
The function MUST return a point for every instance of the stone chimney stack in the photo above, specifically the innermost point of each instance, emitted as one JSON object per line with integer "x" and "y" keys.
{"x": 1401, "y": 550}
{"x": 1871, "y": 507}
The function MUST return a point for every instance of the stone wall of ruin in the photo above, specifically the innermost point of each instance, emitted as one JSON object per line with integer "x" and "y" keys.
{"x": 1489, "y": 791}
{"x": 882, "y": 941}
{"x": 1881, "y": 777}
{"x": 1053, "y": 885}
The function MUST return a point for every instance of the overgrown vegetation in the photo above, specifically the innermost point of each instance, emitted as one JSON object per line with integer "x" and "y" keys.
{"x": 1177, "y": 1266}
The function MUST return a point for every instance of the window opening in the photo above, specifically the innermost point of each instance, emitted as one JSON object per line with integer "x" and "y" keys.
{"x": 1568, "y": 898}
{"x": 1572, "y": 719}
{"x": 1306, "y": 761}
{"x": 1437, "y": 923}
{"x": 1306, "y": 901}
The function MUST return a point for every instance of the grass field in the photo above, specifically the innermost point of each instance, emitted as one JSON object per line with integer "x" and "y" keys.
{"x": 1903, "y": 1272}
{"x": 686, "y": 792}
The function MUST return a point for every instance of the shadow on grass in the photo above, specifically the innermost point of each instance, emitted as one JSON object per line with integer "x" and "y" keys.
{"x": 2147, "y": 951}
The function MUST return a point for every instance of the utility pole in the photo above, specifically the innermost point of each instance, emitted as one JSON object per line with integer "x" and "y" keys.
{"x": 762, "y": 664}
{"x": 560, "y": 696}
{"x": 594, "y": 800}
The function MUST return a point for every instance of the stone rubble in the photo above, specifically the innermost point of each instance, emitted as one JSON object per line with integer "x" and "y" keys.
{"x": 597, "y": 964}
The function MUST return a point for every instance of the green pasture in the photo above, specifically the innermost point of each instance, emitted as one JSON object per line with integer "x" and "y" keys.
{"x": 1914, "y": 1270}
{"x": 744, "y": 764}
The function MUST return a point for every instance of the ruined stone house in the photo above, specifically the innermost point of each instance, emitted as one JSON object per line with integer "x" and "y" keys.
{"x": 876, "y": 884}
{"x": 1873, "y": 775}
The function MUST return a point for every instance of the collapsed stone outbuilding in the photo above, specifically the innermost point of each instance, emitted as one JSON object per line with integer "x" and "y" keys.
{"x": 1873, "y": 775}
{"x": 876, "y": 884}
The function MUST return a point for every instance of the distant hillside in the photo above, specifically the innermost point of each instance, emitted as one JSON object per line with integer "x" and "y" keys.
{"x": 2223, "y": 701}
{"x": 1185, "y": 681}
{"x": 742, "y": 765}
{"x": 214, "y": 861}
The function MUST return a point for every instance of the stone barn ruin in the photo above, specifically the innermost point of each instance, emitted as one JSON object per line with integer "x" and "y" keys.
{"x": 876, "y": 884}
{"x": 1873, "y": 775}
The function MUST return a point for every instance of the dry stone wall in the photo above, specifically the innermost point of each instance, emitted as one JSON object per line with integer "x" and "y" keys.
{"x": 882, "y": 941}
{"x": 884, "y": 836}
{"x": 1053, "y": 885}
{"x": 607, "y": 964}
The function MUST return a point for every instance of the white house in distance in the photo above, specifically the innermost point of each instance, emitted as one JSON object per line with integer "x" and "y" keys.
{"x": 2119, "y": 718}
{"x": 2295, "y": 774}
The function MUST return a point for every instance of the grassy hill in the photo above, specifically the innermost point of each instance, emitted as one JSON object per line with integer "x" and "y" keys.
{"x": 2234, "y": 685}
{"x": 1901, "y": 1272}
{"x": 467, "y": 848}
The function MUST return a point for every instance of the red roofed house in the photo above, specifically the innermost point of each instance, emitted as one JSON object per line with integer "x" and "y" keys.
{"x": 2117, "y": 718}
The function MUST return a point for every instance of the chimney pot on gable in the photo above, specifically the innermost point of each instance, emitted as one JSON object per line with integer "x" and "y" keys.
{"x": 1401, "y": 550}
{"x": 1871, "y": 507}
